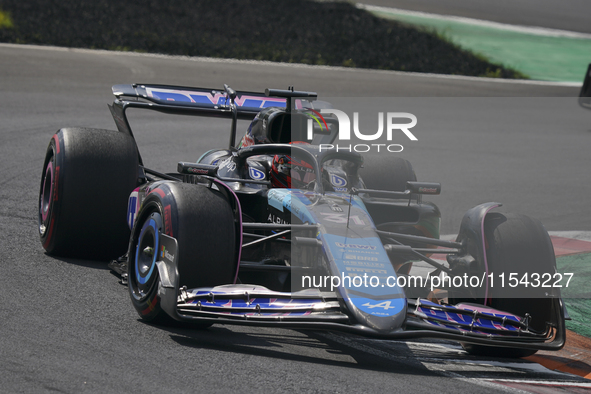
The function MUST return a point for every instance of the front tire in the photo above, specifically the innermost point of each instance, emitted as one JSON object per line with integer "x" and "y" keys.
{"x": 518, "y": 244}
{"x": 202, "y": 222}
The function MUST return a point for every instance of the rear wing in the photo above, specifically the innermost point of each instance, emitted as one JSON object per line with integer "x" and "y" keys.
{"x": 585, "y": 95}
{"x": 194, "y": 101}
{"x": 179, "y": 100}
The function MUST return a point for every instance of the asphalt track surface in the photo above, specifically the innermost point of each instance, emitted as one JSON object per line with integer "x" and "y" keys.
{"x": 570, "y": 15}
{"x": 68, "y": 325}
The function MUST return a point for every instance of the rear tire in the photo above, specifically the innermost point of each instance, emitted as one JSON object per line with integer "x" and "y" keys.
{"x": 518, "y": 244}
{"x": 385, "y": 173}
{"x": 202, "y": 222}
{"x": 87, "y": 177}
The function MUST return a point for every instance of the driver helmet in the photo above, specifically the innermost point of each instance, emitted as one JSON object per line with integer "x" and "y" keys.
{"x": 290, "y": 172}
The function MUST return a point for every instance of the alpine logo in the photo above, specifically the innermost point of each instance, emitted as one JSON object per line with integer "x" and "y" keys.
{"x": 255, "y": 174}
{"x": 385, "y": 305}
{"x": 338, "y": 181}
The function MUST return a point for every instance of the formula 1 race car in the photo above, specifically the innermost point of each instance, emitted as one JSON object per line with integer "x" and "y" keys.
{"x": 274, "y": 231}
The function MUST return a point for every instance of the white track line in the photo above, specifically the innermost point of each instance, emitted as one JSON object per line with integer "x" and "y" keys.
{"x": 539, "y": 31}
{"x": 359, "y": 345}
{"x": 543, "y": 382}
{"x": 295, "y": 65}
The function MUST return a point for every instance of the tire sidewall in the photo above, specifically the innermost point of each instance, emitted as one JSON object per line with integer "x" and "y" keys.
{"x": 202, "y": 222}
{"x": 148, "y": 304}
{"x": 54, "y": 158}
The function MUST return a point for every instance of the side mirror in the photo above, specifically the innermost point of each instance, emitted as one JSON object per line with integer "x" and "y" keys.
{"x": 423, "y": 187}
{"x": 197, "y": 169}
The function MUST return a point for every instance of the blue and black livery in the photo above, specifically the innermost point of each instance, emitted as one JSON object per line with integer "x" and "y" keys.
{"x": 214, "y": 242}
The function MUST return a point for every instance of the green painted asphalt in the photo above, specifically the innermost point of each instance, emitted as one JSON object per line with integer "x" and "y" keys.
{"x": 579, "y": 311}
{"x": 577, "y": 296}
{"x": 540, "y": 57}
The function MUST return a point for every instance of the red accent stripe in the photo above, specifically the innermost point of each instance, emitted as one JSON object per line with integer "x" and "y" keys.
{"x": 57, "y": 179}
{"x": 46, "y": 243}
{"x": 151, "y": 306}
{"x": 321, "y": 117}
{"x": 567, "y": 246}
{"x": 168, "y": 220}
{"x": 57, "y": 144}
{"x": 158, "y": 191}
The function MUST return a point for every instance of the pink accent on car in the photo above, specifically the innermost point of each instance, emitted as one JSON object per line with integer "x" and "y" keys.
{"x": 168, "y": 221}
{"x": 158, "y": 191}
{"x": 484, "y": 309}
{"x": 45, "y": 208}
{"x": 57, "y": 144}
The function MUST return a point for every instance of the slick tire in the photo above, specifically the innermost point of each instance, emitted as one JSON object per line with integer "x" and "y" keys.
{"x": 87, "y": 177}
{"x": 202, "y": 222}
{"x": 518, "y": 244}
{"x": 386, "y": 173}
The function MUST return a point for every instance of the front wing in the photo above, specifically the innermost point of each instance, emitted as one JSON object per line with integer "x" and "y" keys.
{"x": 313, "y": 309}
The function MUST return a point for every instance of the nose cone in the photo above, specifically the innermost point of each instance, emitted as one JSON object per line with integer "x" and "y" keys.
{"x": 383, "y": 315}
